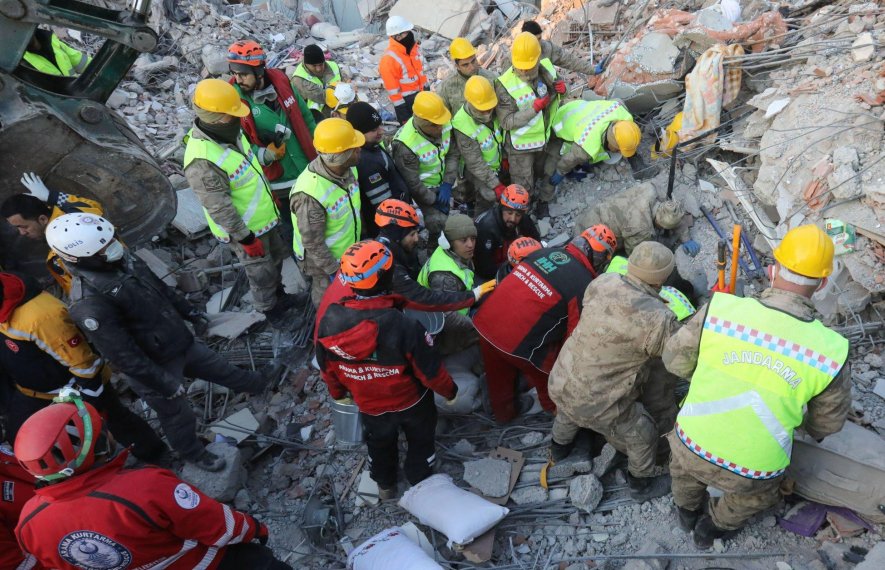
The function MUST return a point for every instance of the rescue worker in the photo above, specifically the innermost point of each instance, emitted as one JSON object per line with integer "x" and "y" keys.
{"x": 450, "y": 268}
{"x": 378, "y": 177}
{"x": 600, "y": 380}
{"x": 325, "y": 203}
{"x": 480, "y": 143}
{"x": 589, "y": 132}
{"x": 451, "y": 89}
{"x": 785, "y": 370}
{"x": 90, "y": 511}
{"x": 339, "y": 99}
{"x": 18, "y": 488}
{"x": 137, "y": 322}
{"x": 402, "y": 67}
{"x": 423, "y": 153}
{"x": 367, "y": 329}
{"x": 499, "y": 227}
{"x": 518, "y": 250}
{"x": 523, "y": 326}
{"x": 43, "y": 352}
{"x": 528, "y": 97}
{"x": 279, "y": 125}
{"x": 48, "y": 54}
{"x": 676, "y": 301}
{"x": 227, "y": 177}
{"x": 31, "y": 212}
{"x": 311, "y": 79}
{"x": 559, "y": 56}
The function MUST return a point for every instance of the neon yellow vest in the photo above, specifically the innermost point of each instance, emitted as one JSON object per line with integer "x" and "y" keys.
{"x": 489, "y": 140}
{"x": 343, "y": 221}
{"x": 302, "y": 72}
{"x": 431, "y": 158}
{"x": 534, "y": 134}
{"x": 584, "y": 123}
{"x": 750, "y": 386}
{"x": 676, "y": 301}
{"x": 249, "y": 190}
{"x": 68, "y": 61}
{"x": 442, "y": 261}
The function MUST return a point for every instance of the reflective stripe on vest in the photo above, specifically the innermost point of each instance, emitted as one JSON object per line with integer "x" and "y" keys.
{"x": 302, "y": 72}
{"x": 584, "y": 122}
{"x": 489, "y": 140}
{"x": 442, "y": 261}
{"x": 749, "y": 381}
{"x": 249, "y": 190}
{"x": 63, "y": 64}
{"x": 408, "y": 83}
{"x": 431, "y": 158}
{"x": 533, "y": 135}
{"x": 676, "y": 301}
{"x": 343, "y": 221}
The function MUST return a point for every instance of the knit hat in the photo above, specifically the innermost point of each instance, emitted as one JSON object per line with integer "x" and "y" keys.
{"x": 668, "y": 214}
{"x": 313, "y": 54}
{"x": 363, "y": 117}
{"x": 459, "y": 226}
{"x": 651, "y": 262}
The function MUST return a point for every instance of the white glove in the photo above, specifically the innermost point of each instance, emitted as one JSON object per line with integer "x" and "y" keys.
{"x": 35, "y": 186}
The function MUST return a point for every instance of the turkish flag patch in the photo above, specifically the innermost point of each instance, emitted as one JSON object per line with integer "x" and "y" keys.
{"x": 11, "y": 345}
{"x": 75, "y": 341}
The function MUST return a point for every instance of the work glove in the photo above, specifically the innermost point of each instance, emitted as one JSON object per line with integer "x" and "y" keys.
{"x": 262, "y": 534}
{"x": 345, "y": 401}
{"x": 556, "y": 178}
{"x": 451, "y": 402}
{"x": 252, "y": 246}
{"x": 484, "y": 289}
{"x": 541, "y": 104}
{"x": 35, "y": 186}
{"x": 559, "y": 87}
{"x": 600, "y": 67}
{"x": 691, "y": 247}
{"x": 577, "y": 175}
{"x": 277, "y": 152}
{"x": 499, "y": 189}
{"x": 199, "y": 320}
{"x": 282, "y": 132}
{"x": 716, "y": 289}
{"x": 444, "y": 197}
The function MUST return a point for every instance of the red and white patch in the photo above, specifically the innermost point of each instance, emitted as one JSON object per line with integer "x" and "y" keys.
{"x": 11, "y": 345}
{"x": 74, "y": 341}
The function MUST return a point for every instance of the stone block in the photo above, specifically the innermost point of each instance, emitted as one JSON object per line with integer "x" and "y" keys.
{"x": 491, "y": 477}
{"x": 585, "y": 492}
{"x": 529, "y": 495}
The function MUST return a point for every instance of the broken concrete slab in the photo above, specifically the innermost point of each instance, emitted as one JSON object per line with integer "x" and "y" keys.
{"x": 157, "y": 266}
{"x": 491, "y": 477}
{"x": 529, "y": 495}
{"x": 655, "y": 53}
{"x": 222, "y": 485}
{"x": 864, "y": 47}
{"x": 603, "y": 462}
{"x": 574, "y": 463}
{"x": 189, "y": 217}
{"x": 585, "y": 492}
{"x": 648, "y": 549}
{"x": 367, "y": 490}
{"x": 237, "y": 426}
{"x": 231, "y": 325}
{"x": 879, "y": 389}
{"x": 448, "y": 19}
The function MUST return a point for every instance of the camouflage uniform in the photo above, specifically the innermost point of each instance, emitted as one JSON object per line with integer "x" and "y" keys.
{"x": 316, "y": 93}
{"x": 743, "y": 497}
{"x": 458, "y": 334}
{"x": 602, "y": 370}
{"x": 479, "y": 177}
{"x": 451, "y": 89}
{"x": 564, "y": 58}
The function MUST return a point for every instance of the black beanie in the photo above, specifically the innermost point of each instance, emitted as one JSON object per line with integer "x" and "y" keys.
{"x": 363, "y": 117}
{"x": 532, "y": 27}
{"x": 394, "y": 232}
{"x": 313, "y": 54}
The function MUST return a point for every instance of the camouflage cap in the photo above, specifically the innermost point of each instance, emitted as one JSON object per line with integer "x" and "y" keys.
{"x": 459, "y": 226}
{"x": 668, "y": 214}
{"x": 651, "y": 262}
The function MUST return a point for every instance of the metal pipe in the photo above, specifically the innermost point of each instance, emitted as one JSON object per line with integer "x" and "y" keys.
{"x": 722, "y": 235}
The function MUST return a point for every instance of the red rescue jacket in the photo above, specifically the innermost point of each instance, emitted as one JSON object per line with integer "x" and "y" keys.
{"x": 537, "y": 306}
{"x": 111, "y": 517}
{"x": 16, "y": 488}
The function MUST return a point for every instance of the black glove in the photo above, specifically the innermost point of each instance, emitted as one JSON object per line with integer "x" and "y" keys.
{"x": 200, "y": 321}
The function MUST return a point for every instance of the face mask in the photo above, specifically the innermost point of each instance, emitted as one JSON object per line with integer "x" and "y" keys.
{"x": 114, "y": 252}
{"x": 222, "y": 132}
{"x": 408, "y": 42}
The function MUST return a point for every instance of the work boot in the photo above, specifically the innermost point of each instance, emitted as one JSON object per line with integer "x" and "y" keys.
{"x": 643, "y": 489}
{"x": 286, "y": 301}
{"x": 642, "y": 171}
{"x": 386, "y": 493}
{"x": 284, "y": 320}
{"x": 559, "y": 451}
{"x": 208, "y": 461}
{"x": 687, "y": 518}
{"x": 705, "y": 532}
{"x": 542, "y": 210}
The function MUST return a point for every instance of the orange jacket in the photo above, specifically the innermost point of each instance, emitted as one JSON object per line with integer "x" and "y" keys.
{"x": 401, "y": 72}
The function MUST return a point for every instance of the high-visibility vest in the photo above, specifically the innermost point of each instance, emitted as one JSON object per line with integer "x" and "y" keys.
{"x": 343, "y": 220}
{"x": 68, "y": 61}
{"x": 249, "y": 190}
{"x": 489, "y": 140}
{"x": 676, "y": 301}
{"x": 751, "y": 384}
{"x": 407, "y": 76}
{"x": 584, "y": 122}
{"x": 442, "y": 261}
{"x": 534, "y": 134}
{"x": 431, "y": 158}
{"x": 302, "y": 72}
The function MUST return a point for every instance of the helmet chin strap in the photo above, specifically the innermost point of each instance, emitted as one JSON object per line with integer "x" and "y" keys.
{"x": 71, "y": 396}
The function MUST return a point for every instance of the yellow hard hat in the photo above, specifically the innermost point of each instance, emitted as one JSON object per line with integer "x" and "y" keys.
{"x": 806, "y": 250}
{"x": 219, "y": 96}
{"x": 430, "y": 107}
{"x": 479, "y": 92}
{"x": 669, "y": 138}
{"x": 526, "y": 51}
{"x": 461, "y": 48}
{"x": 627, "y": 136}
{"x": 336, "y": 135}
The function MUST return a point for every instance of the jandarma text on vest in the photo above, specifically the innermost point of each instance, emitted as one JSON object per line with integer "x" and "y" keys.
{"x": 777, "y": 366}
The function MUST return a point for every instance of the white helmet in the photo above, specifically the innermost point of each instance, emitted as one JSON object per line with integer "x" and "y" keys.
{"x": 397, "y": 25}
{"x": 79, "y": 235}
{"x": 345, "y": 94}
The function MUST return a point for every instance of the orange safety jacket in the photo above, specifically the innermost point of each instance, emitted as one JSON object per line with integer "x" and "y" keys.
{"x": 401, "y": 72}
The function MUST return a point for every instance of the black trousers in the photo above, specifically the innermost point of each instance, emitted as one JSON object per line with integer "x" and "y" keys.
{"x": 175, "y": 414}
{"x": 252, "y": 556}
{"x": 382, "y": 433}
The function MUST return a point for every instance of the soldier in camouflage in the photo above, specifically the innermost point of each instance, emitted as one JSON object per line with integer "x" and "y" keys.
{"x": 451, "y": 89}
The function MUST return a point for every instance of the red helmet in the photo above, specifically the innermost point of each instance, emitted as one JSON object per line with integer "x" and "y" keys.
{"x": 364, "y": 263}
{"x": 521, "y": 248}
{"x": 246, "y": 52}
{"x": 59, "y": 440}
{"x": 601, "y": 238}
{"x": 396, "y": 212}
{"x": 515, "y": 197}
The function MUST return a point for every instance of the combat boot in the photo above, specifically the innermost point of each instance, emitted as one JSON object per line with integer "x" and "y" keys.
{"x": 559, "y": 451}
{"x": 386, "y": 493}
{"x": 284, "y": 319}
{"x": 705, "y": 532}
{"x": 687, "y": 518}
{"x": 643, "y": 489}
{"x": 642, "y": 171}
{"x": 208, "y": 461}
